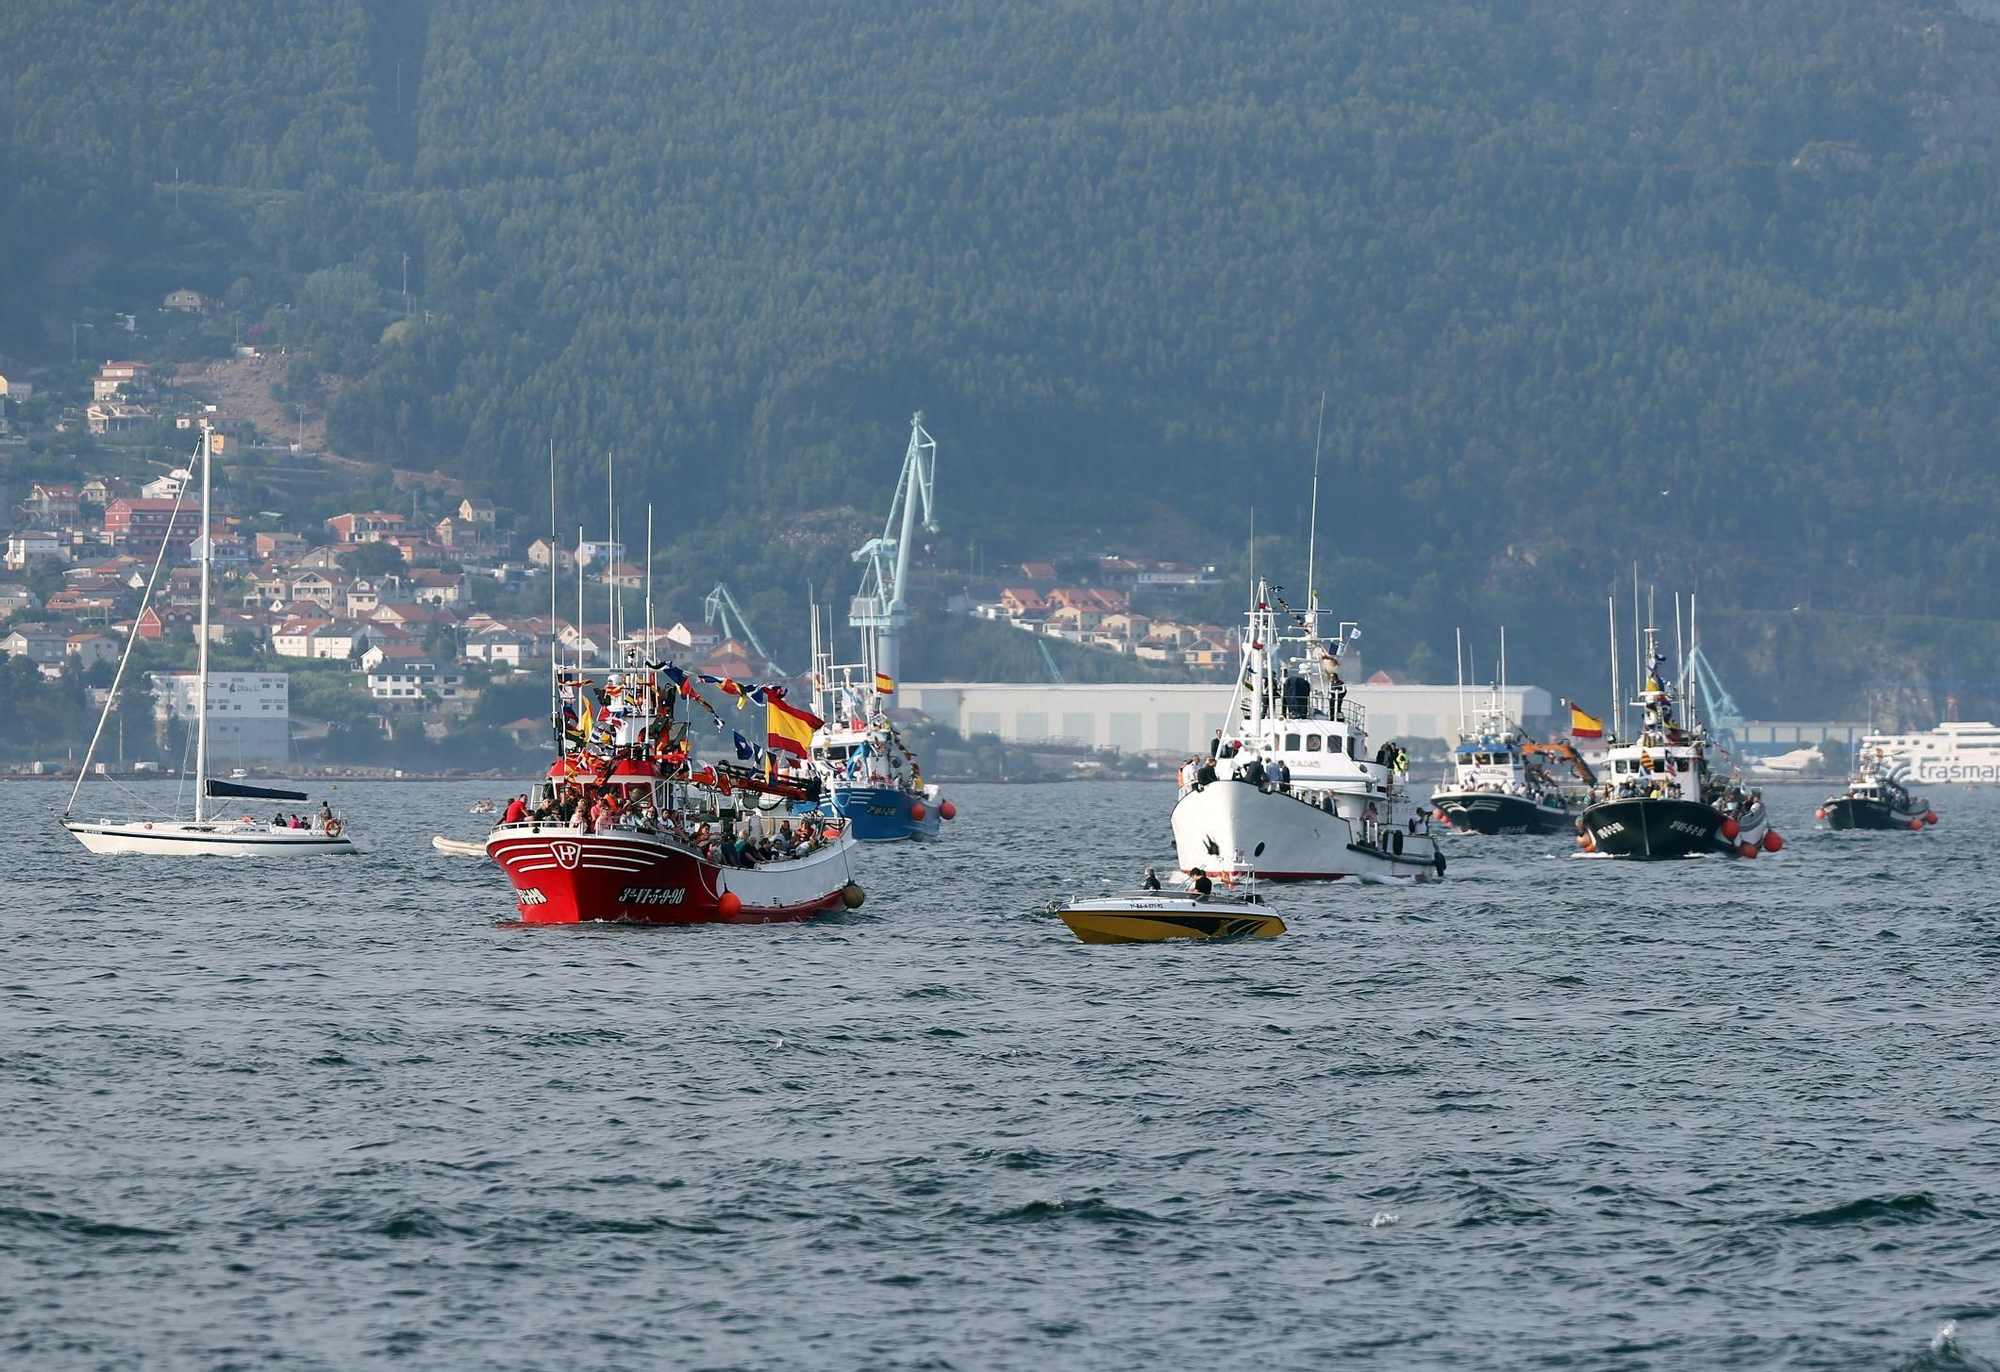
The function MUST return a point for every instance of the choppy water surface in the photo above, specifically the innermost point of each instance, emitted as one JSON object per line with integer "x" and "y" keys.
{"x": 1551, "y": 1112}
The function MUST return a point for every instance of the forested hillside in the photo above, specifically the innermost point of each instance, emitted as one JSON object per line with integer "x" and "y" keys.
{"x": 1710, "y": 285}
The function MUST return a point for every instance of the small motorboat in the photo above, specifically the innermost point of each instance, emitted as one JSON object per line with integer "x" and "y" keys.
{"x": 457, "y": 847}
{"x": 1154, "y": 916}
{"x": 482, "y": 807}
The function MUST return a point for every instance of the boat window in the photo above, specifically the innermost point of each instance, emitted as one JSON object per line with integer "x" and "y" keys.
{"x": 1291, "y": 743}
{"x": 1312, "y": 743}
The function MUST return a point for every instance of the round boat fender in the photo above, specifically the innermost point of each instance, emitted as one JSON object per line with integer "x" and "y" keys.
{"x": 333, "y": 828}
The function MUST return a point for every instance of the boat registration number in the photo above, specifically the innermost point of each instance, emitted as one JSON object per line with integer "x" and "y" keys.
{"x": 1615, "y": 827}
{"x": 530, "y": 895}
{"x": 652, "y": 895}
{"x": 881, "y": 809}
{"x": 1681, "y": 826}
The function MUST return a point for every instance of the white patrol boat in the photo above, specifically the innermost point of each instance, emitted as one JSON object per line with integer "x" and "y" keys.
{"x": 1659, "y": 798}
{"x": 1292, "y": 790}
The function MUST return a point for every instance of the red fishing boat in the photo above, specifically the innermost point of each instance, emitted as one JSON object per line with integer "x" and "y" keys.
{"x": 627, "y": 829}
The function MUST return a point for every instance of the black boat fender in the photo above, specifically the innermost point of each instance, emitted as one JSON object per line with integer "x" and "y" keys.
{"x": 1437, "y": 861}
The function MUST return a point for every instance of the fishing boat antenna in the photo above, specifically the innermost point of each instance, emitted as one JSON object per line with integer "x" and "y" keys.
{"x": 610, "y": 541}
{"x": 555, "y": 657}
{"x": 1638, "y": 642}
{"x": 1458, "y": 662}
{"x": 576, "y": 565}
{"x": 1617, "y": 696}
{"x": 648, "y": 655}
{"x": 1312, "y": 526}
{"x": 1503, "y": 659}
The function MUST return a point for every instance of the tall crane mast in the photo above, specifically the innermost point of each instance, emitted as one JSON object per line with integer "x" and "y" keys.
{"x": 881, "y": 610}
{"x": 718, "y": 608}
{"x": 1718, "y": 708}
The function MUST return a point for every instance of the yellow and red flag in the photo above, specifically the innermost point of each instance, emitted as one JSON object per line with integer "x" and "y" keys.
{"x": 791, "y": 729}
{"x": 885, "y": 685}
{"x": 1582, "y": 725}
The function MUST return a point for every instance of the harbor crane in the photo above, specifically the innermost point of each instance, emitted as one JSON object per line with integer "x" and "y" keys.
{"x": 718, "y": 610}
{"x": 881, "y": 609}
{"x": 1725, "y": 721}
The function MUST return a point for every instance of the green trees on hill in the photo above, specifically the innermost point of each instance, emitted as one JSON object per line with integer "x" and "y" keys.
{"x": 1707, "y": 284}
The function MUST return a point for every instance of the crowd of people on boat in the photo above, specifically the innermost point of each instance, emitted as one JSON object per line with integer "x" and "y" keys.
{"x": 603, "y": 809}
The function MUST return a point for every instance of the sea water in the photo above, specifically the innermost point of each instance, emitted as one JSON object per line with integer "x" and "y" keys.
{"x": 1550, "y": 1112}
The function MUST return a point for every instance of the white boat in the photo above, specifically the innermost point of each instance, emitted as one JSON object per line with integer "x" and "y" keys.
{"x": 206, "y": 835}
{"x": 1341, "y": 812}
{"x": 1963, "y": 751}
{"x": 458, "y": 847}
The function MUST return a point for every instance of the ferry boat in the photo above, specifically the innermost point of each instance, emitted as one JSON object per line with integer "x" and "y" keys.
{"x": 660, "y": 841}
{"x": 1957, "y": 751}
{"x": 1500, "y": 785}
{"x": 1661, "y": 797}
{"x": 868, "y": 775}
{"x": 1877, "y": 798}
{"x": 1340, "y": 814}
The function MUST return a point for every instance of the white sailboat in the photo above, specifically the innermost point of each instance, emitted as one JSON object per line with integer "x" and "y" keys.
{"x": 204, "y": 835}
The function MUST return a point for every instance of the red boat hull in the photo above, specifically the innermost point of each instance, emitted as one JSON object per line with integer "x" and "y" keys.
{"x": 562, "y": 877}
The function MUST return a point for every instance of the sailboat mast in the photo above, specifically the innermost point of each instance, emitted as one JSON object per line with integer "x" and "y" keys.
{"x": 201, "y": 637}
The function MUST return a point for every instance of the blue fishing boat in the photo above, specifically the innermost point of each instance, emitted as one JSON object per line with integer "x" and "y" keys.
{"x": 868, "y": 775}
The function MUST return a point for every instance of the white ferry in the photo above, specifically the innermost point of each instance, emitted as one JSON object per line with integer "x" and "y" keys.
{"x": 1955, "y": 751}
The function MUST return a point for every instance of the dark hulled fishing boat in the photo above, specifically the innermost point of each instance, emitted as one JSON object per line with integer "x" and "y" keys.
{"x": 1660, "y": 799}
{"x": 1500, "y": 785}
{"x": 1877, "y": 797}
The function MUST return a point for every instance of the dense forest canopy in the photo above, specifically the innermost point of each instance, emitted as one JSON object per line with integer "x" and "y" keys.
{"x": 1707, "y": 284}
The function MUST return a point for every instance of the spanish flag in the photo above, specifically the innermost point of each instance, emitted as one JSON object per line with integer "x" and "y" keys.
{"x": 791, "y": 728}
{"x": 1582, "y": 725}
{"x": 885, "y": 685}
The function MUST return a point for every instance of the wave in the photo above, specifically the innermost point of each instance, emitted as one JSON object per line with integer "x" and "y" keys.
{"x": 1908, "y": 1209}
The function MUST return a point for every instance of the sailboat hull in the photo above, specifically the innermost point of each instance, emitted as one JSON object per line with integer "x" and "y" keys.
{"x": 225, "y": 838}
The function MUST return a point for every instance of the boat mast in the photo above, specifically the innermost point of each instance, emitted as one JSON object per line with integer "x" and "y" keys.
{"x": 555, "y": 560}
{"x": 610, "y": 582}
{"x": 1312, "y": 527}
{"x": 201, "y": 642}
{"x": 1458, "y": 661}
{"x": 1617, "y": 696}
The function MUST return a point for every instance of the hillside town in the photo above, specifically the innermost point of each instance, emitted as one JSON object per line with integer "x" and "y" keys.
{"x": 398, "y": 622}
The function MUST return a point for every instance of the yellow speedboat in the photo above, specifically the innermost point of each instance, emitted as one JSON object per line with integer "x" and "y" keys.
{"x": 1154, "y": 916}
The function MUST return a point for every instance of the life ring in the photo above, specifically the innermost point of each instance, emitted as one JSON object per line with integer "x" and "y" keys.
{"x": 333, "y": 828}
